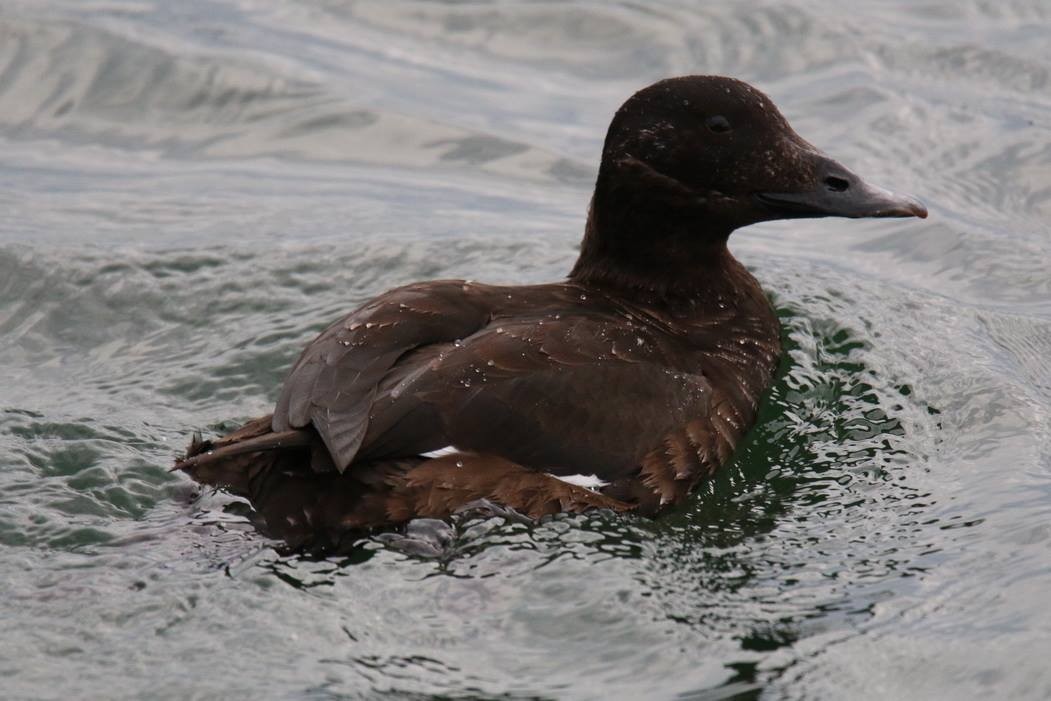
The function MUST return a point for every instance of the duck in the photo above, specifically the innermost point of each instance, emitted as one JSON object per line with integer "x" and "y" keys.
{"x": 622, "y": 387}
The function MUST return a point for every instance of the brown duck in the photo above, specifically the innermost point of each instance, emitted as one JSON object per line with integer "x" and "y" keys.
{"x": 641, "y": 371}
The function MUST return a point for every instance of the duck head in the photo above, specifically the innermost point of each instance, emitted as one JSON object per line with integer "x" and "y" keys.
{"x": 688, "y": 160}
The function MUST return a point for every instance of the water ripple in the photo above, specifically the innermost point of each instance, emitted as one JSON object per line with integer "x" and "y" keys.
{"x": 189, "y": 190}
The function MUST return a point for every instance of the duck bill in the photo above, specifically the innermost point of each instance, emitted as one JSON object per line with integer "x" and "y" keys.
{"x": 838, "y": 192}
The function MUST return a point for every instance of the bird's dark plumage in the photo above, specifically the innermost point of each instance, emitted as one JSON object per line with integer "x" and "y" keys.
{"x": 644, "y": 368}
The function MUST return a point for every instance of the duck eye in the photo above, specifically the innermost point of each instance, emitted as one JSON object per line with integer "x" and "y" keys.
{"x": 718, "y": 124}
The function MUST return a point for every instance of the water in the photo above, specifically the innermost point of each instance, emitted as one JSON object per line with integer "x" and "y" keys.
{"x": 189, "y": 190}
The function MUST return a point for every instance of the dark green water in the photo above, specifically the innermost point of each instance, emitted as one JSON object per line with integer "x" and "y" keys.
{"x": 188, "y": 191}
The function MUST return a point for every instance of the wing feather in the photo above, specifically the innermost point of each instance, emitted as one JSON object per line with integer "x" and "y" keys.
{"x": 333, "y": 385}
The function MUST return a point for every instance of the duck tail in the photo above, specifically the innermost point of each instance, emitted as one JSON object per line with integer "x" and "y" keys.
{"x": 235, "y": 460}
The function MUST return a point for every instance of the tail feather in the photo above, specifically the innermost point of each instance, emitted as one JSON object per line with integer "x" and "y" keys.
{"x": 234, "y": 460}
{"x": 300, "y": 498}
{"x": 205, "y": 452}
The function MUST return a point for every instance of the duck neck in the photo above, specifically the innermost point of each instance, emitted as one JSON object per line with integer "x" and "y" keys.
{"x": 653, "y": 251}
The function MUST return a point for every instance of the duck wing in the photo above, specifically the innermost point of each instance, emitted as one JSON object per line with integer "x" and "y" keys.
{"x": 583, "y": 391}
{"x": 543, "y": 380}
{"x": 333, "y": 385}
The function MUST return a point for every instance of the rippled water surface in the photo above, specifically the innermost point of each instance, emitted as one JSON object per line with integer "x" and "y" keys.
{"x": 189, "y": 190}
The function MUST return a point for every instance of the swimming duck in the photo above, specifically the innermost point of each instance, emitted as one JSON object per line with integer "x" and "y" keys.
{"x": 622, "y": 387}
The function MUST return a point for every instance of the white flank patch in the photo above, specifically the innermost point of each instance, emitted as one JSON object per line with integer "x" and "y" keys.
{"x": 591, "y": 482}
{"x": 441, "y": 452}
